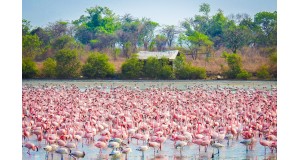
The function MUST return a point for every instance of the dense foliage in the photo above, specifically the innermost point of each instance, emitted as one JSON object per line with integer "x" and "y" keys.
{"x": 132, "y": 68}
{"x": 29, "y": 68}
{"x": 68, "y": 64}
{"x": 49, "y": 68}
{"x": 97, "y": 66}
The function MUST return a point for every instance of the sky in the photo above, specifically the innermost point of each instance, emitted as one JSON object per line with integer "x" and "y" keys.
{"x": 165, "y": 12}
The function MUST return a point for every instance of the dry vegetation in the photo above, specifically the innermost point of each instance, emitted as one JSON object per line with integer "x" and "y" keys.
{"x": 252, "y": 59}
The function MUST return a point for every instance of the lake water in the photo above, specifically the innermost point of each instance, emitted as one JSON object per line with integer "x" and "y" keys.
{"x": 235, "y": 150}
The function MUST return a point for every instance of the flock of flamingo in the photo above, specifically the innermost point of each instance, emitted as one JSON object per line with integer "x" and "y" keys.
{"x": 63, "y": 119}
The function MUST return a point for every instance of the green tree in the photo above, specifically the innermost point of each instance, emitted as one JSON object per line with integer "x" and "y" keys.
{"x": 43, "y": 35}
{"x": 196, "y": 42}
{"x": 205, "y": 8}
{"x": 129, "y": 33}
{"x": 64, "y": 41}
{"x": 98, "y": 28}
{"x": 132, "y": 68}
{"x": 146, "y": 33}
{"x": 68, "y": 64}
{"x": 57, "y": 29}
{"x": 236, "y": 37}
{"x": 25, "y": 27}
{"x": 49, "y": 68}
{"x": 29, "y": 68}
{"x": 268, "y": 23}
{"x": 216, "y": 29}
{"x": 98, "y": 66}
{"x": 234, "y": 62}
{"x": 31, "y": 46}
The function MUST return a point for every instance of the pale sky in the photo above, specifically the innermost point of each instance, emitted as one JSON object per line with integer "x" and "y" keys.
{"x": 165, "y": 12}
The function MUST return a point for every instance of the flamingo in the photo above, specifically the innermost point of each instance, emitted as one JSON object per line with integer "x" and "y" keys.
{"x": 62, "y": 151}
{"x": 31, "y": 146}
{"x": 218, "y": 146}
{"x": 228, "y": 137}
{"x": 48, "y": 149}
{"x": 142, "y": 149}
{"x": 100, "y": 145}
{"x": 246, "y": 142}
{"x": 77, "y": 154}
{"x": 153, "y": 145}
{"x": 198, "y": 142}
{"x": 180, "y": 144}
{"x": 265, "y": 143}
{"x": 125, "y": 151}
{"x": 60, "y": 114}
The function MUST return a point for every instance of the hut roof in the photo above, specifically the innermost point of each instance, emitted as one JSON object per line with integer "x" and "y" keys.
{"x": 171, "y": 55}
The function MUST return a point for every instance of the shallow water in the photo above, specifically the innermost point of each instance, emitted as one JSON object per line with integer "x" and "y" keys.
{"x": 235, "y": 150}
{"x": 142, "y": 84}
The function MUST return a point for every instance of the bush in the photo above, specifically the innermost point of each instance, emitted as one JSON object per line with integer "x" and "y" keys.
{"x": 152, "y": 68}
{"x": 263, "y": 72}
{"x": 191, "y": 72}
{"x": 68, "y": 64}
{"x": 49, "y": 68}
{"x": 243, "y": 75}
{"x": 29, "y": 68}
{"x": 132, "y": 68}
{"x": 197, "y": 73}
{"x": 184, "y": 70}
{"x": 166, "y": 72}
{"x": 273, "y": 64}
{"x": 234, "y": 62}
{"x": 97, "y": 66}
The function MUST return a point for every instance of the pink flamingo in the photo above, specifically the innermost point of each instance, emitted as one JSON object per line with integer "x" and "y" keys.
{"x": 30, "y": 146}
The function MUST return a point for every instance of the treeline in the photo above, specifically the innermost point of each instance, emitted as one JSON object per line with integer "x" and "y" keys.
{"x": 72, "y": 49}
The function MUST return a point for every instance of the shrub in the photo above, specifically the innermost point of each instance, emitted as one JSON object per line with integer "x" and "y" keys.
{"x": 152, "y": 67}
{"x": 263, "y": 72}
{"x": 243, "y": 75}
{"x": 97, "y": 66}
{"x": 166, "y": 72}
{"x": 191, "y": 72}
{"x": 184, "y": 70}
{"x": 132, "y": 68}
{"x": 197, "y": 73}
{"x": 234, "y": 63}
{"x": 68, "y": 64}
{"x": 273, "y": 64}
{"x": 29, "y": 68}
{"x": 49, "y": 68}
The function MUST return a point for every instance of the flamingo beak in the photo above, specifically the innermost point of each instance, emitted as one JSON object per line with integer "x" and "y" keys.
{"x": 37, "y": 149}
